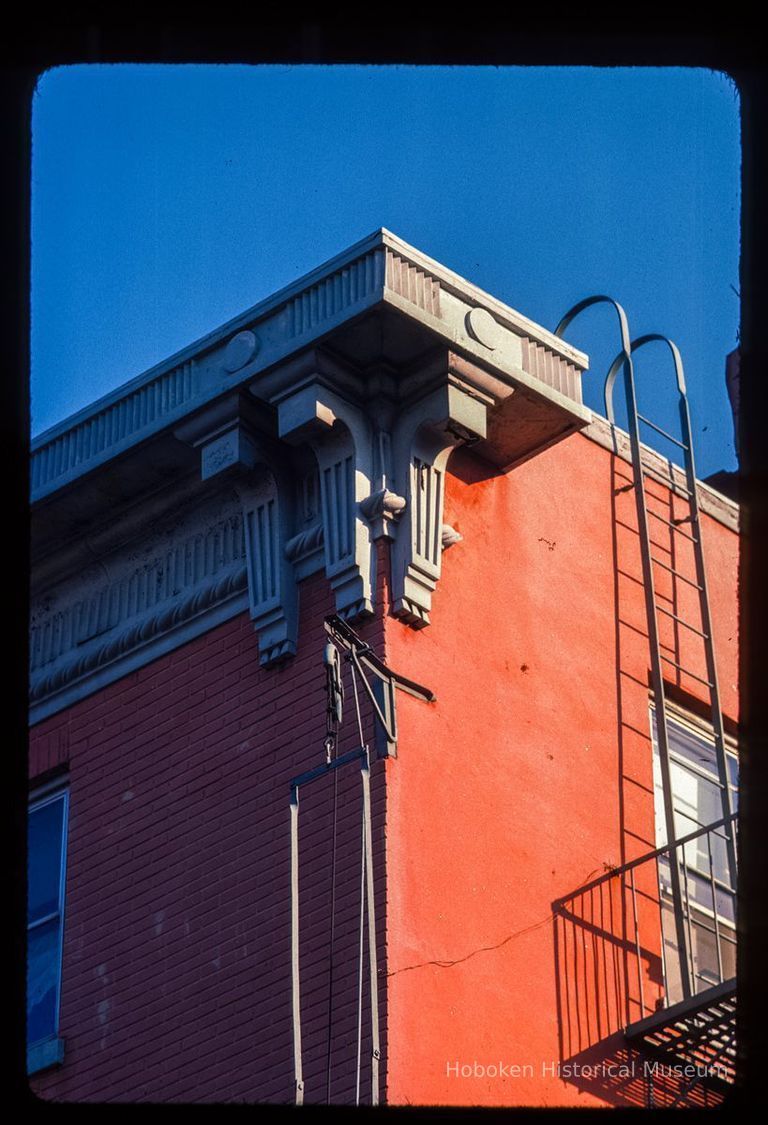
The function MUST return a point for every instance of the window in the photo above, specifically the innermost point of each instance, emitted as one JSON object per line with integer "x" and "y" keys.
{"x": 46, "y": 865}
{"x": 709, "y": 898}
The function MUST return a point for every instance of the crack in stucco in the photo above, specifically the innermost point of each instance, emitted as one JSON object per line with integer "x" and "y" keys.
{"x": 446, "y": 964}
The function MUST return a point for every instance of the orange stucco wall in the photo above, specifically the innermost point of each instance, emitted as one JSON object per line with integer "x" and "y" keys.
{"x": 530, "y": 774}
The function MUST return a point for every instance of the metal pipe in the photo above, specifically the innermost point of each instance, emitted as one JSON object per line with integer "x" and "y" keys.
{"x": 295, "y": 980}
{"x": 637, "y": 942}
{"x": 689, "y": 968}
{"x": 365, "y": 777}
{"x": 714, "y": 910}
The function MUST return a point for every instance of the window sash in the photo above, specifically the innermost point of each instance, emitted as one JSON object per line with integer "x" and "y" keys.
{"x": 696, "y": 797}
{"x": 44, "y": 920}
{"x": 54, "y": 919}
{"x": 685, "y": 769}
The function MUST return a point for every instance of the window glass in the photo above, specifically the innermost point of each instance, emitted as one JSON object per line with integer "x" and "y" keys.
{"x": 42, "y": 981}
{"x": 44, "y": 841}
{"x": 46, "y": 846}
{"x": 695, "y": 784}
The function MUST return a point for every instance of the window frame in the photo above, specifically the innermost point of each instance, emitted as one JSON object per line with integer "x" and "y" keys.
{"x": 694, "y": 726}
{"x": 49, "y": 1051}
{"x": 702, "y": 730}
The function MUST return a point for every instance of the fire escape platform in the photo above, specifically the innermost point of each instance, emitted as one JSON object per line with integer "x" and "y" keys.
{"x": 699, "y": 1031}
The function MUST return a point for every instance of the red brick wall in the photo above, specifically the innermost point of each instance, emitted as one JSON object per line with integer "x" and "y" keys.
{"x": 177, "y": 972}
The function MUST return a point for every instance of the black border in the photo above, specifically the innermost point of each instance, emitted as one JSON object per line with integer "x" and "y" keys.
{"x": 462, "y": 38}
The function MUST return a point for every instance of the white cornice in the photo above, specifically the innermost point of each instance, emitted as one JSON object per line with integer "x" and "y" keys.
{"x": 377, "y": 270}
{"x": 459, "y": 285}
{"x": 203, "y": 343}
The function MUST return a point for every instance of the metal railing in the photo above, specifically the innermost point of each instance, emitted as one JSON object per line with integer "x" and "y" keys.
{"x": 618, "y": 952}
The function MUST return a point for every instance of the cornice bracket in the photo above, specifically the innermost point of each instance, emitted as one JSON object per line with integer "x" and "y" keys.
{"x": 263, "y": 482}
{"x": 424, "y": 438}
{"x": 341, "y": 437}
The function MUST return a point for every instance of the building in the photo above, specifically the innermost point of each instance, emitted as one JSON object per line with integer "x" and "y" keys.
{"x": 380, "y": 474}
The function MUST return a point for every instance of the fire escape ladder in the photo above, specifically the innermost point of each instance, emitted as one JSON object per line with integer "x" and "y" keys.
{"x": 694, "y": 1001}
{"x": 624, "y": 362}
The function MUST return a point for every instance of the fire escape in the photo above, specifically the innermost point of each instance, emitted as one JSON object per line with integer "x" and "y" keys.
{"x": 668, "y": 918}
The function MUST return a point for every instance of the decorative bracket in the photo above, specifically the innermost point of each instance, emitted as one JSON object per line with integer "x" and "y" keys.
{"x": 424, "y": 438}
{"x": 264, "y": 484}
{"x": 340, "y": 435}
{"x": 273, "y": 594}
{"x": 373, "y": 481}
{"x": 383, "y": 507}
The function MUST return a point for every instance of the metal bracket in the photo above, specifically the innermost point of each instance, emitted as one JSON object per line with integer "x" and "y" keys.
{"x": 382, "y": 694}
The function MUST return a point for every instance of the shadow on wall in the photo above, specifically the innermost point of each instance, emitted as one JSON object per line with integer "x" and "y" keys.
{"x": 606, "y": 977}
{"x": 620, "y": 1075}
{"x": 471, "y": 468}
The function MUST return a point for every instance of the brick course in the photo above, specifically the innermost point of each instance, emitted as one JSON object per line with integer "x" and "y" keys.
{"x": 176, "y": 981}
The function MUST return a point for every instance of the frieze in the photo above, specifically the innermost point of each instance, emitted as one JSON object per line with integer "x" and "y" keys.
{"x": 83, "y": 624}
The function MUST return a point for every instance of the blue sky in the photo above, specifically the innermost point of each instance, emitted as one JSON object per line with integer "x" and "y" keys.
{"x": 167, "y": 199}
